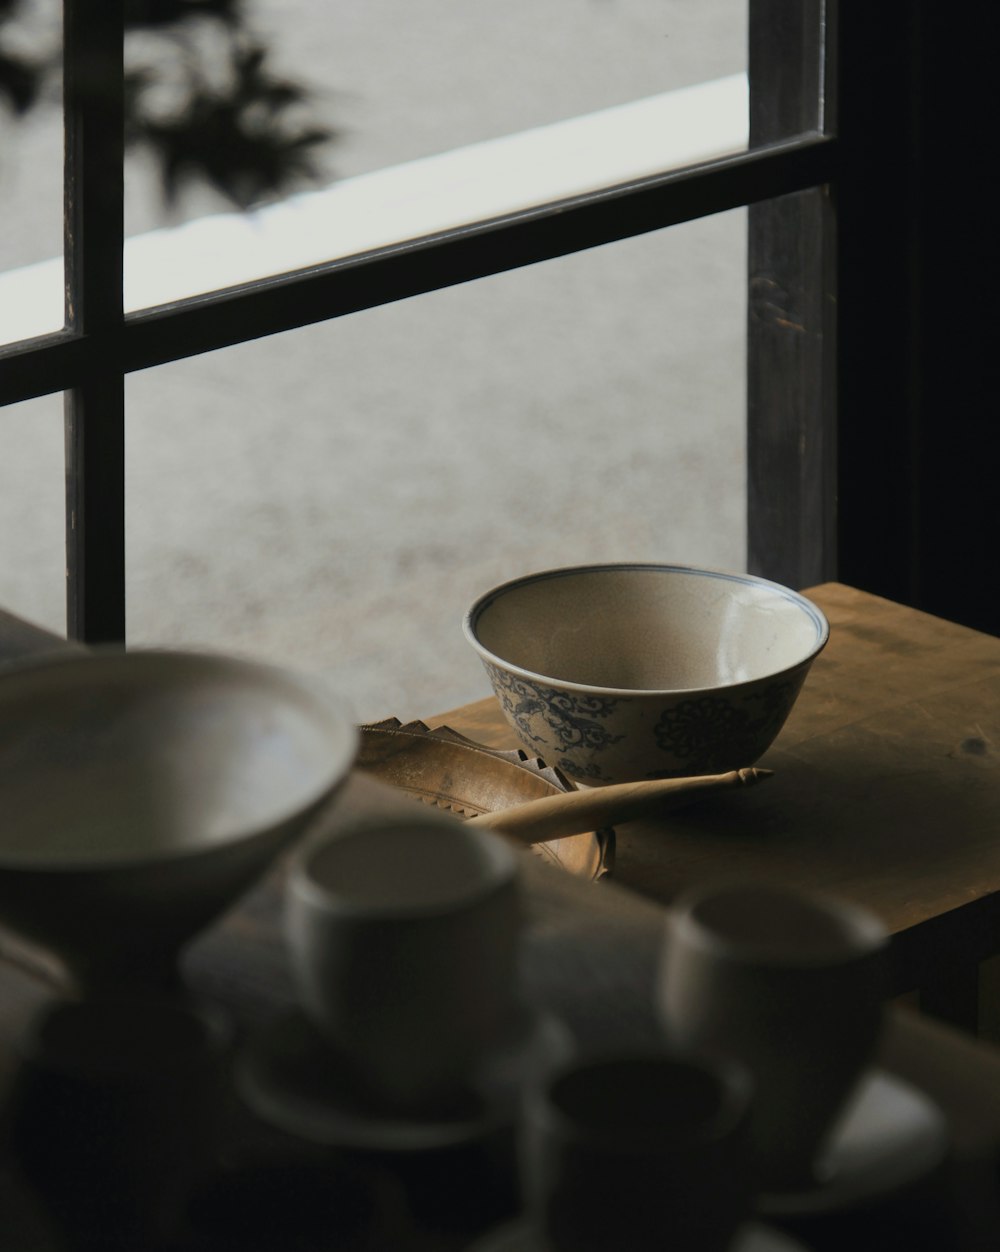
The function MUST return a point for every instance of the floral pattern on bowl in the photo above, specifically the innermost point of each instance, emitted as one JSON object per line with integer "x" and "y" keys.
{"x": 717, "y": 730}
{"x": 706, "y": 734}
{"x": 570, "y": 719}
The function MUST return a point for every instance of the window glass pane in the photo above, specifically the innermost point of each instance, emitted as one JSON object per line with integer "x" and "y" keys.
{"x": 335, "y": 497}
{"x": 31, "y": 160}
{"x": 32, "y": 509}
{"x": 453, "y": 111}
{"x": 407, "y": 81}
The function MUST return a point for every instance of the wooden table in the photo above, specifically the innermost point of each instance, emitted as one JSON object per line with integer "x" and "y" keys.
{"x": 885, "y": 791}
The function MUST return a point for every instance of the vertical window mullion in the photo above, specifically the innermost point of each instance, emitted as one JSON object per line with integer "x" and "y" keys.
{"x": 882, "y": 372}
{"x": 93, "y": 102}
{"x": 791, "y": 256}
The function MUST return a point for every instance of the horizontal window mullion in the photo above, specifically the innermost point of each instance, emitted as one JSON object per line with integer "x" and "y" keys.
{"x": 43, "y": 365}
{"x": 350, "y": 285}
{"x": 283, "y": 302}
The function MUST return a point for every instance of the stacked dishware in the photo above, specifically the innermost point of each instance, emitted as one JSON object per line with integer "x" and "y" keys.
{"x": 411, "y": 1041}
{"x": 761, "y": 1119}
{"x": 142, "y": 793}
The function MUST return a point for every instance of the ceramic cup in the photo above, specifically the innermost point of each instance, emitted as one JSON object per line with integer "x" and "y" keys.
{"x": 403, "y": 935}
{"x": 644, "y": 1151}
{"x": 792, "y": 985}
{"x": 113, "y": 1117}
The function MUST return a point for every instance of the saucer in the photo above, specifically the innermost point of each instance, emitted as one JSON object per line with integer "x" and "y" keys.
{"x": 522, "y": 1237}
{"x": 290, "y": 1078}
{"x": 890, "y": 1136}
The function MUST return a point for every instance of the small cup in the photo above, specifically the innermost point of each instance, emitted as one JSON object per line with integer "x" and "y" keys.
{"x": 113, "y": 1116}
{"x": 792, "y": 985}
{"x": 639, "y": 1151}
{"x": 403, "y": 935}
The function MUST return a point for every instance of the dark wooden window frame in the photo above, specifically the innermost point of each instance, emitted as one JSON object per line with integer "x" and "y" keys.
{"x": 832, "y": 491}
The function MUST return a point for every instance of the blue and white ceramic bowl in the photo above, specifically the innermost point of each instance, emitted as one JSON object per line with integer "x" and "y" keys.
{"x": 620, "y": 672}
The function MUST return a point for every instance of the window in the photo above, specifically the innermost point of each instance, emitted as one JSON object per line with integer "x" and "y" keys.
{"x": 358, "y": 481}
{"x": 832, "y": 491}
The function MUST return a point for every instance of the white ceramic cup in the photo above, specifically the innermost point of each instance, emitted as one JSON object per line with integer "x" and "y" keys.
{"x": 790, "y": 984}
{"x": 403, "y": 934}
{"x": 638, "y": 1151}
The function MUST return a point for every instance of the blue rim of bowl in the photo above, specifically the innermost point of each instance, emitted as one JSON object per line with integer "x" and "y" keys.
{"x": 488, "y": 598}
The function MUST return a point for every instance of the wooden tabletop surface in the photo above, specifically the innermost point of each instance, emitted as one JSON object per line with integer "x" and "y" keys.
{"x": 886, "y": 792}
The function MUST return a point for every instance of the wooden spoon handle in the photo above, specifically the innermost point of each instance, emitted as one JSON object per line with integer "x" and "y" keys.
{"x": 554, "y": 817}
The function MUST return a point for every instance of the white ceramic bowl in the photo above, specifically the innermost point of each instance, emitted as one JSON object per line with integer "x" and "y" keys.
{"x": 142, "y": 792}
{"x": 620, "y": 672}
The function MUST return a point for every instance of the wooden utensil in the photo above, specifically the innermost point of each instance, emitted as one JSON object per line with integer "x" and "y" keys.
{"x": 555, "y": 816}
{"x": 452, "y": 772}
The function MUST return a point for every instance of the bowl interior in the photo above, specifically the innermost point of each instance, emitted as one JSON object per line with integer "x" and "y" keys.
{"x": 136, "y": 757}
{"x": 648, "y": 628}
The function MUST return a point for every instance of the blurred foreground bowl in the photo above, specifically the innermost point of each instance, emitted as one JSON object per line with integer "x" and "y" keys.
{"x": 142, "y": 792}
{"x": 620, "y": 672}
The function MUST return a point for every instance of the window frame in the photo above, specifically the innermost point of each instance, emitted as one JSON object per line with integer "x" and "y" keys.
{"x": 791, "y": 447}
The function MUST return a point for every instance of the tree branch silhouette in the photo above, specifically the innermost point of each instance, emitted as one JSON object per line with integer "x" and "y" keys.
{"x": 201, "y": 96}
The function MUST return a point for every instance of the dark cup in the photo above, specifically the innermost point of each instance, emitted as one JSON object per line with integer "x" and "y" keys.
{"x": 792, "y": 985}
{"x": 112, "y": 1117}
{"x": 641, "y": 1151}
